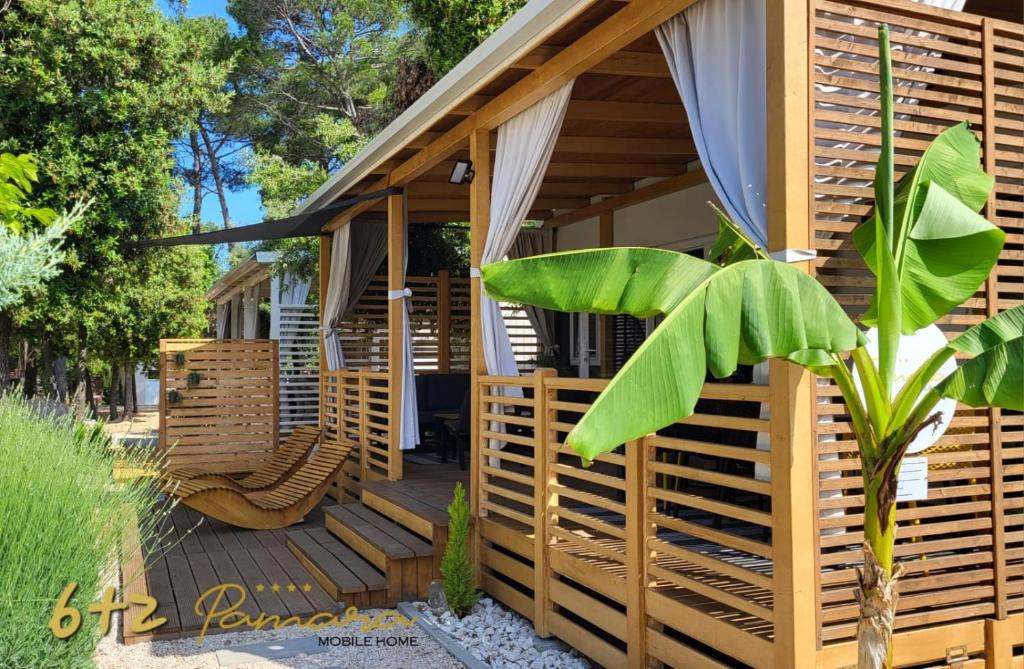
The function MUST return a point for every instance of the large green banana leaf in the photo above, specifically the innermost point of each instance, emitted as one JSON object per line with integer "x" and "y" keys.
{"x": 731, "y": 245}
{"x": 943, "y": 249}
{"x": 995, "y": 378}
{"x": 741, "y": 314}
{"x": 1002, "y": 327}
{"x": 641, "y": 282}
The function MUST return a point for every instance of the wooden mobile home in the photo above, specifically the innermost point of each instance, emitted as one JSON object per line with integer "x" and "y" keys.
{"x": 732, "y": 538}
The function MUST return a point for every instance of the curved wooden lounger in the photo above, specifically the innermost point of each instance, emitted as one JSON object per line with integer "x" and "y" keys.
{"x": 282, "y": 464}
{"x": 271, "y": 509}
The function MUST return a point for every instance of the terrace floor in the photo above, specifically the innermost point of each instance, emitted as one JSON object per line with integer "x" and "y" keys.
{"x": 198, "y": 553}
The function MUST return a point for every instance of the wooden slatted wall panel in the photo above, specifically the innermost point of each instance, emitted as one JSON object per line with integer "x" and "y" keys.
{"x": 375, "y": 431}
{"x": 507, "y": 504}
{"x": 459, "y": 334}
{"x": 687, "y": 510}
{"x": 364, "y": 331}
{"x": 1004, "y": 128}
{"x": 299, "y": 352}
{"x": 228, "y": 422}
{"x": 953, "y": 546}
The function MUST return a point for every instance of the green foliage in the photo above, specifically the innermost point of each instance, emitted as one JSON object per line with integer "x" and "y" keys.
{"x": 456, "y": 567}
{"x": 63, "y": 520}
{"x": 17, "y": 174}
{"x": 453, "y": 28}
{"x": 28, "y": 258}
{"x": 311, "y": 75}
{"x": 716, "y": 317}
{"x": 732, "y": 245}
{"x": 96, "y": 89}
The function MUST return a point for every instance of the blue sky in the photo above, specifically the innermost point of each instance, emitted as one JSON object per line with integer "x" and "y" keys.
{"x": 244, "y": 205}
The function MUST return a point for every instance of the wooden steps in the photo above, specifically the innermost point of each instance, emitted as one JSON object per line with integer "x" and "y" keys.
{"x": 428, "y": 519}
{"x": 339, "y": 570}
{"x": 405, "y": 558}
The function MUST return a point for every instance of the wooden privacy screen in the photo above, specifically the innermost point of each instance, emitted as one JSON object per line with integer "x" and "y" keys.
{"x": 439, "y": 320}
{"x": 963, "y": 547}
{"x": 675, "y": 527}
{"x": 225, "y": 418}
{"x": 356, "y": 407}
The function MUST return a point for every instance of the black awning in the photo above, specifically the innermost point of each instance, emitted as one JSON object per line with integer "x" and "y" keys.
{"x": 307, "y": 224}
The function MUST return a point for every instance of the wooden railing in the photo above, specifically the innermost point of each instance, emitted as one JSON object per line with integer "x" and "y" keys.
{"x": 223, "y": 412}
{"x": 675, "y": 525}
{"x": 356, "y": 406}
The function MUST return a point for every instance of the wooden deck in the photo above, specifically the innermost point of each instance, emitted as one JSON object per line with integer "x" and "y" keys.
{"x": 199, "y": 553}
{"x": 372, "y": 553}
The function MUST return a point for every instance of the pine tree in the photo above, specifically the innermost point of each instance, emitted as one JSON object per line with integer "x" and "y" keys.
{"x": 456, "y": 568}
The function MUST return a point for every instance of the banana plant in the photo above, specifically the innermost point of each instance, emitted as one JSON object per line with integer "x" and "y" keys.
{"x": 929, "y": 250}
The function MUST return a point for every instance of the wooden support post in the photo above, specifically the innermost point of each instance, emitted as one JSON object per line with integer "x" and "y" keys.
{"x": 396, "y": 332}
{"x": 543, "y": 499}
{"x": 162, "y": 425}
{"x": 325, "y": 274}
{"x": 444, "y": 321}
{"x": 638, "y": 556}
{"x": 793, "y": 433}
{"x": 995, "y": 416}
{"x": 606, "y": 239}
{"x": 275, "y": 390}
{"x": 364, "y": 430}
{"x": 479, "y": 222}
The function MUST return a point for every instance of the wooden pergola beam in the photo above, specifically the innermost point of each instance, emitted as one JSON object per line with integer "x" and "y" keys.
{"x": 655, "y": 190}
{"x": 423, "y": 190}
{"x": 621, "y": 63}
{"x": 627, "y": 146}
{"x": 634, "y": 20}
{"x": 599, "y": 110}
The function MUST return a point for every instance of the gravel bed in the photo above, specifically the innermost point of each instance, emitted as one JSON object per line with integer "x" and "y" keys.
{"x": 188, "y": 654}
{"x": 503, "y": 639}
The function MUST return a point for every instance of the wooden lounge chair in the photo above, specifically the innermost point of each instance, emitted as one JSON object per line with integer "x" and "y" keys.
{"x": 282, "y": 464}
{"x": 281, "y": 506}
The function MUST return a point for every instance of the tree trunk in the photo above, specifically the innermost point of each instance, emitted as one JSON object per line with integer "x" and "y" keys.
{"x": 877, "y": 585}
{"x": 29, "y": 371}
{"x": 218, "y": 183}
{"x": 5, "y": 351}
{"x": 90, "y": 393}
{"x": 197, "y": 179}
{"x": 60, "y": 378}
{"x": 46, "y": 386}
{"x": 81, "y": 401}
{"x": 130, "y": 409}
{"x": 114, "y": 377}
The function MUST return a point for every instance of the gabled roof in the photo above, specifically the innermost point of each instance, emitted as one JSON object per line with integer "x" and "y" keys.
{"x": 254, "y": 269}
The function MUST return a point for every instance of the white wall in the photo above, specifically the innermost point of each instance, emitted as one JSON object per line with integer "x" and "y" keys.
{"x": 679, "y": 221}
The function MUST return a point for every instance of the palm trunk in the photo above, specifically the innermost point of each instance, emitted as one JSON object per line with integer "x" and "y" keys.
{"x": 877, "y": 593}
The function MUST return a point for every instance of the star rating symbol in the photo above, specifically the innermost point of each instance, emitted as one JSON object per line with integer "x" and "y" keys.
{"x": 291, "y": 587}
{"x": 260, "y": 587}
{"x": 306, "y": 587}
{"x": 275, "y": 588}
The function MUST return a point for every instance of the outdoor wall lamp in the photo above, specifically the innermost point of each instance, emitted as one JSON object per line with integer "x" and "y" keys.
{"x": 462, "y": 172}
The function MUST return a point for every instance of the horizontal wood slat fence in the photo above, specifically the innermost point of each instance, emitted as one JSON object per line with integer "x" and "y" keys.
{"x": 225, "y": 417}
{"x": 356, "y": 406}
{"x": 962, "y": 547}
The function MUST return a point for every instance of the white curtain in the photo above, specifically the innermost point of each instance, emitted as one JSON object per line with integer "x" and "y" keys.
{"x": 525, "y": 144}
{"x": 236, "y": 316}
{"x": 535, "y": 242}
{"x": 716, "y": 53}
{"x": 294, "y": 288}
{"x": 409, "y": 430}
{"x": 250, "y": 311}
{"x": 222, "y": 320}
{"x": 357, "y": 250}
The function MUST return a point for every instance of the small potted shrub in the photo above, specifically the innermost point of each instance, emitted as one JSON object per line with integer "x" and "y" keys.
{"x": 193, "y": 379}
{"x": 173, "y": 396}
